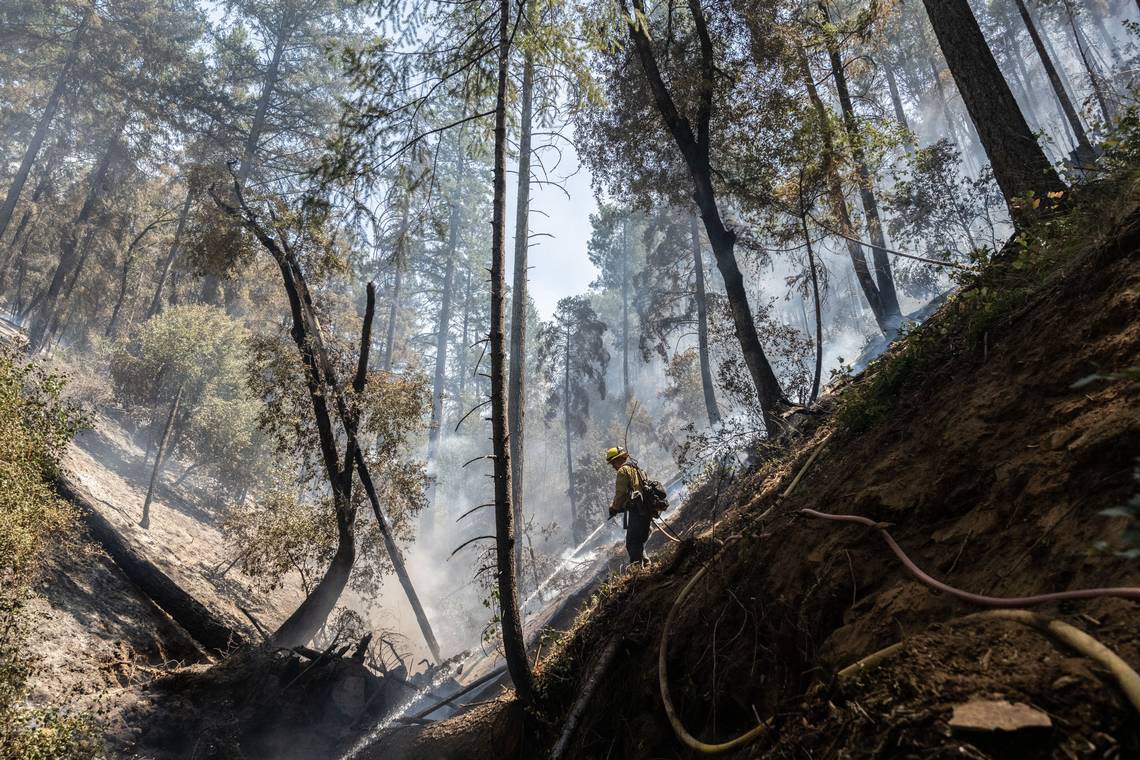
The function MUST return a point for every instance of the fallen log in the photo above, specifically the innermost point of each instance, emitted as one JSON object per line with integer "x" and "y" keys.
{"x": 203, "y": 625}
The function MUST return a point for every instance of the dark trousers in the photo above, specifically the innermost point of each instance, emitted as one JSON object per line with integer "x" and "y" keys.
{"x": 636, "y": 534}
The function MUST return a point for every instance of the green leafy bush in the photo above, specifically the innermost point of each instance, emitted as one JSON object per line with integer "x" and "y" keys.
{"x": 35, "y": 427}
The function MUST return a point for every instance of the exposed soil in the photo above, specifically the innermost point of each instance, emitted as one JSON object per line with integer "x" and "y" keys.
{"x": 992, "y": 469}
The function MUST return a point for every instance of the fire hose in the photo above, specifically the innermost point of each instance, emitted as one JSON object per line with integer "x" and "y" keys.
{"x": 1082, "y": 642}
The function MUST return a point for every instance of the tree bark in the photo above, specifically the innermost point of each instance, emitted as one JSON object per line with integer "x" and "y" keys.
{"x": 124, "y": 273}
{"x": 1066, "y": 104}
{"x": 1020, "y": 166}
{"x": 514, "y": 645}
{"x": 626, "y": 253}
{"x": 160, "y": 457}
{"x": 69, "y": 242}
{"x": 516, "y": 401}
{"x": 397, "y": 558}
{"x": 443, "y": 332}
{"x": 896, "y": 99}
{"x": 164, "y": 272}
{"x": 268, "y": 85}
{"x": 818, "y": 306}
{"x": 577, "y": 524}
{"x": 892, "y": 315}
{"x": 1078, "y": 41}
{"x": 398, "y": 261}
{"x": 839, "y": 202}
{"x": 208, "y": 629}
{"x": 16, "y": 186}
{"x": 695, "y": 149}
{"x": 703, "y": 323}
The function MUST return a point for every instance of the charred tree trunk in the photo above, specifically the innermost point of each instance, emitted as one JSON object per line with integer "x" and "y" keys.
{"x": 16, "y": 186}
{"x": 205, "y": 627}
{"x": 885, "y": 280}
{"x": 516, "y": 401}
{"x": 695, "y": 149}
{"x": 168, "y": 262}
{"x": 1019, "y": 164}
{"x": 514, "y": 645}
{"x": 818, "y": 305}
{"x": 397, "y": 558}
{"x": 1084, "y": 148}
{"x": 703, "y": 323}
{"x": 160, "y": 457}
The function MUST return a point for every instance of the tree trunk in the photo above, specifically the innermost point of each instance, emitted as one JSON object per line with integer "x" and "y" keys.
{"x": 160, "y": 457}
{"x": 16, "y": 186}
{"x": 69, "y": 242}
{"x": 516, "y": 401}
{"x": 818, "y": 307}
{"x": 398, "y": 261}
{"x": 514, "y": 646}
{"x": 164, "y": 272}
{"x": 397, "y": 559}
{"x": 577, "y": 524}
{"x": 626, "y": 252}
{"x": 443, "y": 332}
{"x": 461, "y": 392}
{"x": 839, "y": 202}
{"x": 301, "y": 626}
{"x": 1084, "y": 148}
{"x": 1078, "y": 41}
{"x": 892, "y": 315}
{"x": 53, "y": 328}
{"x": 128, "y": 259}
{"x": 1019, "y": 164}
{"x": 703, "y": 323}
{"x": 896, "y": 99}
{"x": 208, "y": 629}
{"x": 695, "y": 149}
{"x": 268, "y": 85}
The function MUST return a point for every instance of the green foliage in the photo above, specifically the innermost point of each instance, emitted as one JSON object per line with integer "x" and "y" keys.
{"x": 200, "y": 350}
{"x": 35, "y": 426}
{"x": 992, "y": 293}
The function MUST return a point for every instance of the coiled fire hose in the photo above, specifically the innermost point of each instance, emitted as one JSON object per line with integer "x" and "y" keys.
{"x": 1125, "y": 675}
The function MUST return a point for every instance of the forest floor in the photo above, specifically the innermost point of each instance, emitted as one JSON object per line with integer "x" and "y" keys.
{"x": 98, "y": 641}
{"x": 984, "y": 444}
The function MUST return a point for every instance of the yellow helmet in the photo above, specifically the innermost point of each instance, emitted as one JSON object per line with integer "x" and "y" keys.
{"x": 614, "y": 453}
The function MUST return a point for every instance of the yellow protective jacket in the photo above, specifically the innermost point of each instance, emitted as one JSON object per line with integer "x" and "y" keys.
{"x": 628, "y": 483}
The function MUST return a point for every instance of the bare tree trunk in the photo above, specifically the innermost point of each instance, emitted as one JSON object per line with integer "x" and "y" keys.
{"x": 626, "y": 253}
{"x": 516, "y": 401}
{"x": 160, "y": 457}
{"x": 398, "y": 262}
{"x": 465, "y": 344}
{"x": 1020, "y": 166}
{"x": 70, "y": 240}
{"x": 703, "y": 323}
{"x": 443, "y": 332}
{"x": 1078, "y": 40}
{"x": 268, "y": 87}
{"x": 818, "y": 305}
{"x": 892, "y": 315}
{"x": 164, "y": 272}
{"x": 695, "y": 149}
{"x": 16, "y": 186}
{"x": 514, "y": 646}
{"x": 1067, "y": 110}
{"x": 896, "y": 99}
{"x": 397, "y": 558}
{"x": 839, "y": 203}
{"x": 577, "y": 524}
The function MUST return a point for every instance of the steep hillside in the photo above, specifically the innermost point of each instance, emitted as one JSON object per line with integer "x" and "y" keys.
{"x": 989, "y": 441}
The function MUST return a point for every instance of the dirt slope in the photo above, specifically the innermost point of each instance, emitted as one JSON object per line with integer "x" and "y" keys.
{"x": 991, "y": 467}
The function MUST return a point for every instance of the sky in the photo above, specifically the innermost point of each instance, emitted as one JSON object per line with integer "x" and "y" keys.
{"x": 560, "y": 229}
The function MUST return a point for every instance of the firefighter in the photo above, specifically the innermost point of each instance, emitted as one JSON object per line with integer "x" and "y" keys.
{"x": 629, "y": 501}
